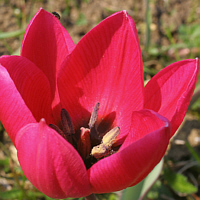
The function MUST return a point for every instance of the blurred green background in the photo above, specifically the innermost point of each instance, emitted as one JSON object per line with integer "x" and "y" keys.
{"x": 169, "y": 30}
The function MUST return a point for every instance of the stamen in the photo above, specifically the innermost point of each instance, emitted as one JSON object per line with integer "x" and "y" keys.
{"x": 58, "y": 130}
{"x": 89, "y": 142}
{"x": 109, "y": 137}
{"x": 103, "y": 149}
{"x": 67, "y": 123}
{"x": 68, "y": 128}
{"x": 94, "y": 116}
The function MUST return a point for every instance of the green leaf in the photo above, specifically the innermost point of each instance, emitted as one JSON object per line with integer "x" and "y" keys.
{"x": 4, "y": 162}
{"x": 139, "y": 191}
{"x": 179, "y": 183}
{"x": 107, "y": 196}
{"x": 113, "y": 197}
{"x": 11, "y": 194}
{"x": 5, "y": 35}
{"x": 48, "y": 198}
{"x": 17, "y": 52}
{"x": 159, "y": 190}
{"x": 81, "y": 20}
{"x": 33, "y": 194}
{"x": 193, "y": 152}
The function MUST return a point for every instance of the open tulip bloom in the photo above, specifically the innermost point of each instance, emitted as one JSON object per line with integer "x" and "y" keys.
{"x": 80, "y": 117}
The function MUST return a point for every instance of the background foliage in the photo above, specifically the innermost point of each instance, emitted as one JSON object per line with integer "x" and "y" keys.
{"x": 169, "y": 30}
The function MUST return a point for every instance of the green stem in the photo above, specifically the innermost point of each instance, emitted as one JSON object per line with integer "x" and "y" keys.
{"x": 91, "y": 197}
{"x": 16, "y": 33}
{"x": 148, "y": 22}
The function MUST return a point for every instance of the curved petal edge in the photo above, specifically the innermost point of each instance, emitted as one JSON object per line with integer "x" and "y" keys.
{"x": 50, "y": 162}
{"x": 139, "y": 155}
{"x": 170, "y": 91}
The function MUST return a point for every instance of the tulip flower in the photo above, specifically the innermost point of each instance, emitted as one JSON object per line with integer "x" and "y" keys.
{"x": 80, "y": 117}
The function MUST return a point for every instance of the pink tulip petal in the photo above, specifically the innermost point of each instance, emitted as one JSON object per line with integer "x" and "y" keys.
{"x": 138, "y": 155}
{"x": 46, "y": 43}
{"x": 24, "y": 93}
{"x": 50, "y": 162}
{"x": 169, "y": 92}
{"x": 105, "y": 67}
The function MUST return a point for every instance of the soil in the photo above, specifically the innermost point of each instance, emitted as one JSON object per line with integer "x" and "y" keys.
{"x": 15, "y": 14}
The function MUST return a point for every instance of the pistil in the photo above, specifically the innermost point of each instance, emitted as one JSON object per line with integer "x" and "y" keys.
{"x": 90, "y": 145}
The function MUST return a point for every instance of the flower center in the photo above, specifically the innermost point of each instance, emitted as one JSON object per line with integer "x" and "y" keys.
{"x": 90, "y": 144}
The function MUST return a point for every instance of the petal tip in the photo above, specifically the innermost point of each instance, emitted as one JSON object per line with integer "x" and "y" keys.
{"x": 42, "y": 122}
{"x": 197, "y": 61}
{"x": 40, "y": 10}
{"x": 125, "y": 12}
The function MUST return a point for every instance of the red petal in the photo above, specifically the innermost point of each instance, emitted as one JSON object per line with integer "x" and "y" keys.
{"x": 24, "y": 92}
{"x": 51, "y": 164}
{"x": 105, "y": 67}
{"x": 143, "y": 148}
{"x": 46, "y": 43}
{"x": 169, "y": 92}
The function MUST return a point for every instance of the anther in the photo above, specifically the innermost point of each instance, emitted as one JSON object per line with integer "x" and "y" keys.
{"x": 94, "y": 116}
{"x": 104, "y": 148}
{"x": 58, "y": 130}
{"x": 109, "y": 137}
{"x": 68, "y": 128}
{"x": 67, "y": 123}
